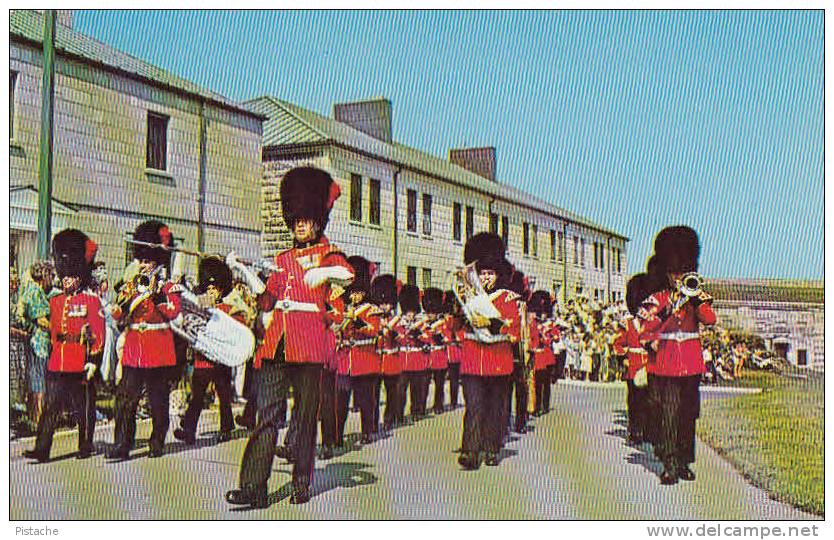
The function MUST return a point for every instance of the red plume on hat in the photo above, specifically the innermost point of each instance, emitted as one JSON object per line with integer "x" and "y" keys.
{"x": 308, "y": 193}
{"x": 153, "y": 232}
{"x": 74, "y": 254}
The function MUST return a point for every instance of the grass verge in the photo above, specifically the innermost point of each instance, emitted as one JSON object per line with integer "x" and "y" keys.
{"x": 775, "y": 438}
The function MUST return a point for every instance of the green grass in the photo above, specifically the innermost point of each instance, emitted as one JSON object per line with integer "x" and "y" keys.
{"x": 775, "y": 439}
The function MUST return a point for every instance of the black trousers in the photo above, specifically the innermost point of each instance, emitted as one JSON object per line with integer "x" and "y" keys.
{"x": 305, "y": 380}
{"x": 364, "y": 389}
{"x": 377, "y": 391}
{"x": 158, "y": 383}
{"x": 327, "y": 410}
{"x": 542, "y": 379}
{"x": 417, "y": 383}
{"x": 393, "y": 395}
{"x": 439, "y": 378}
{"x": 250, "y": 392}
{"x": 679, "y": 401}
{"x": 221, "y": 376}
{"x": 67, "y": 390}
{"x": 519, "y": 381}
{"x": 454, "y": 383}
{"x": 484, "y": 418}
{"x": 637, "y": 401}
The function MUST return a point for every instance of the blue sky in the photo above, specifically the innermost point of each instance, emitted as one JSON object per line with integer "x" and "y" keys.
{"x": 635, "y": 120}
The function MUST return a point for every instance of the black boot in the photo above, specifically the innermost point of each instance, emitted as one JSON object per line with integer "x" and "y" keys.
{"x": 118, "y": 453}
{"x": 491, "y": 459}
{"x": 243, "y": 421}
{"x": 300, "y": 494}
{"x": 37, "y": 455}
{"x": 470, "y": 461}
{"x": 685, "y": 473}
{"x": 668, "y": 477}
{"x": 256, "y": 497}
{"x": 184, "y": 436}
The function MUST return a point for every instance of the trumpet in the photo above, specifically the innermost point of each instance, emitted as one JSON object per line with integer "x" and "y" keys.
{"x": 256, "y": 264}
{"x": 690, "y": 284}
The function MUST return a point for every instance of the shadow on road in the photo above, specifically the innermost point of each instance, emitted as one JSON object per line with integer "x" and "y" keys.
{"x": 642, "y": 454}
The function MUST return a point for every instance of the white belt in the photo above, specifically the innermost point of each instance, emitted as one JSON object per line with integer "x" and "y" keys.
{"x": 495, "y": 339}
{"x": 636, "y": 350}
{"x": 144, "y": 327}
{"x": 437, "y": 347}
{"x": 390, "y": 351}
{"x": 411, "y": 349}
{"x": 292, "y": 305}
{"x": 361, "y": 342}
{"x": 679, "y": 336}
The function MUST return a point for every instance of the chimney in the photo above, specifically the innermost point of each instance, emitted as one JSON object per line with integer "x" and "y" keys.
{"x": 480, "y": 161}
{"x": 372, "y": 117}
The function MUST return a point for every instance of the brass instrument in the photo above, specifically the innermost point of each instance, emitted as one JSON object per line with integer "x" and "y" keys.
{"x": 473, "y": 300}
{"x": 690, "y": 284}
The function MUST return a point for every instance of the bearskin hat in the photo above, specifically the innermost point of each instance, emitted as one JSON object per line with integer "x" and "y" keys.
{"x": 362, "y": 274}
{"x": 410, "y": 299}
{"x": 308, "y": 193}
{"x": 638, "y": 288}
{"x": 433, "y": 300}
{"x": 540, "y": 303}
{"x": 518, "y": 284}
{"x": 214, "y": 271}
{"x": 153, "y": 232}
{"x": 450, "y": 302}
{"x": 487, "y": 251}
{"x": 677, "y": 249}
{"x": 74, "y": 255}
{"x": 384, "y": 290}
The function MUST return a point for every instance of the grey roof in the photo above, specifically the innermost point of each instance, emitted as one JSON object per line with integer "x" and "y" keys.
{"x": 28, "y": 25}
{"x": 290, "y": 125}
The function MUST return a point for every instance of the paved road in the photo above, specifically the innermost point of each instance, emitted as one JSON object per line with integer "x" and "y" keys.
{"x": 575, "y": 465}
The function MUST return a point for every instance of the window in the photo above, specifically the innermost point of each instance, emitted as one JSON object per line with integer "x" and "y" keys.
{"x": 355, "y": 197}
{"x": 619, "y": 254}
{"x": 561, "y": 246}
{"x": 470, "y": 222}
{"x": 525, "y": 238}
{"x": 493, "y": 223}
{"x": 552, "y": 245}
{"x": 426, "y": 214}
{"x": 575, "y": 250}
{"x": 505, "y": 231}
{"x": 456, "y": 221}
{"x": 412, "y": 210}
{"x": 426, "y": 278}
{"x": 601, "y": 256}
{"x": 12, "y": 85}
{"x": 373, "y": 211}
{"x": 535, "y": 233}
{"x": 582, "y": 254}
{"x": 411, "y": 275}
{"x": 596, "y": 255}
{"x": 157, "y": 151}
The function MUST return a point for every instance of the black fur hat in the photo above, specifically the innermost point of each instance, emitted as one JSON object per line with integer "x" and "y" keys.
{"x": 153, "y": 232}
{"x": 518, "y": 284}
{"x": 433, "y": 300}
{"x": 308, "y": 193}
{"x": 410, "y": 299}
{"x": 487, "y": 251}
{"x": 450, "y": 302}
{"x": 540, "y": 303}
{"x": 677, "y": 249}
{"x": 384, "y": 290}
{"x": 639, "y": 288}
{"x": 74, "y": 254}
{"x": 362, "y": 270}
{"x": 213, "y": 271}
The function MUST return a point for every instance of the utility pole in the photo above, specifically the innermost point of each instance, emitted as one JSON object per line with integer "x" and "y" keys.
{"x": 45, "y": 160}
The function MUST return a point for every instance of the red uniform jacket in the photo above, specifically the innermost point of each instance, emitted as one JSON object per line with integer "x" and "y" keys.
{"x": 542, "y": 334}
{"x": 359, "y": 354}
{"x": 149, "y": 340}
{"x": 457, "y": 329}
{"x": 440, "y": 338}
{"x": 200, "y": 361}
{"x": 389, "y": 344}
{"x": 301, "y": 315}
{"x": 494, "y": 359}
{"x": 678, "y": 342}
{"x": 67, "y": 316}
{"x": 628, "y": 343}
{"x": 415, "y": 344}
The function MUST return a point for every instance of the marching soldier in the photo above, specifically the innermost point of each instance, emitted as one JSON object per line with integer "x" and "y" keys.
{"x": 542, "y": 334}
{"x": 438, "y": 357}
{"x": 669, "y": 325}
{"x": 384, "y": 295}
{"x": 487, "y": 362}
{"x": 215, "y": 284}
{"x": 414, "y": 351}
{"x": 456, "y": 329}
{"x": 636, "y": 358}
{"x": 299, "y": 291}
{"x": 519, "y": 378}
{"x": 360, "y": 361}
{"x": 147, "y": 304}
{"x": 77, "y": 334}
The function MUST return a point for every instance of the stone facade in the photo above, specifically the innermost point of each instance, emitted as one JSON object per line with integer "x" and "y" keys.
{"x": 100, "y": 145}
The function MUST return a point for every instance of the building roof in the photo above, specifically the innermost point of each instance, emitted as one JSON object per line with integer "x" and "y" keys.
{"x": 27, "y": 25}
{"x": 767, "y": 290}
{"x": 290, "y": 125}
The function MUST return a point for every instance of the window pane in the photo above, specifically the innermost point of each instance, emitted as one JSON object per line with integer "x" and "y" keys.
{"x": 561, "y": 246}
{"x": 552, "y": 245}
{"x": 355, "y": 197}
{"x": 412, "y": 210}
{"x": 505, "y": 231}
{"x": 411, "y": 275}
{"x": 157, "y": 149}
{"x": 373, "y": 215}
{"x": 493, "y": 223}
{"x": 456, "y": 217}
{"x": 12, "y": 84}
{"x": 582, "y": 253}
{"x": 470, "y": 222}
{"x": 525, "y": 238}
{"x": 426, "y": 278}
{"x": 575, "y": 250}
{"x": 426, "y": 214}
{"x": 535, "y": 240}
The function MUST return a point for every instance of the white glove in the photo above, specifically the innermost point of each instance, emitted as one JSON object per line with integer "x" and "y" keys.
{"x": 316, "y": 277}
{"x": 90, "y": 368}
{"x": 252, "y": 280}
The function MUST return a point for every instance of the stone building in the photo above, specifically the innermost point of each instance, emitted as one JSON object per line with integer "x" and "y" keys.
{"x": 131, "y": 142}
{"x": 789, "y": 315}
{"x": 411, "y": 212}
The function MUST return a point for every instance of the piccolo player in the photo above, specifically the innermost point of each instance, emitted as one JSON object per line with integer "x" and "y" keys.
{"x": 77, "y": 333}
{"x": 298, "y": 291}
